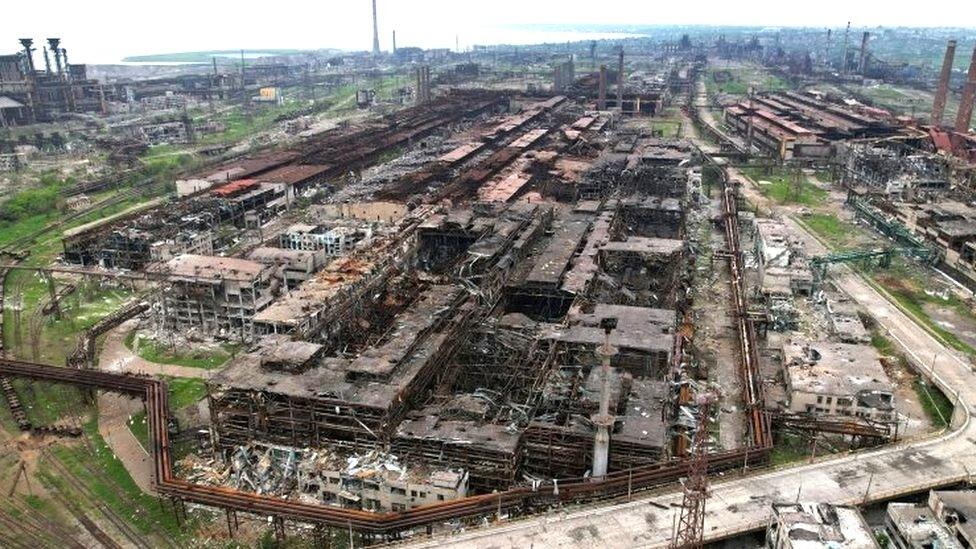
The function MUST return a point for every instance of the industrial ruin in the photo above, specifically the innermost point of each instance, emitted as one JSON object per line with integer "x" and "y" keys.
{"x": 457, "y": 288}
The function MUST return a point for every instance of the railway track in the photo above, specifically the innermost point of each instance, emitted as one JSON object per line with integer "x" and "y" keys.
{"x": 27, "y": 524}
{"x": 111, "y": 516}
{"x": 515, "y": 500}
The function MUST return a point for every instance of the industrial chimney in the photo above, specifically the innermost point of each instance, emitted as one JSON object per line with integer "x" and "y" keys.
{"x": 620, "y": 81}
{"x": 827, "y": 51}
{"x": 54, "y": 44}
{"x": 968, "y": 96}
{"x": 847, "y": 44}
{"x": 601, "y": 102}
{"x": 942, "y": 90}
{"x": 29, "y": 52}
{"x": 862, "y": 66}
{"x": 376, "y": 32}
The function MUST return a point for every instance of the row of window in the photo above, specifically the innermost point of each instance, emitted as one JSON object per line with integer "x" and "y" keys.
{"x": 355, "y": 484}
{"x": 841, "y": 401}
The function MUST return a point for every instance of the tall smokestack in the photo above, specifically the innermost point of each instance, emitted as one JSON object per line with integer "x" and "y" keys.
{"x": 394, "y": 41}
{"x": 47, "y": 61}
{"x": 827, "y": 51}
{"x": 968, "y": 96}
{"x": 601, "y": 102}
{"x": 620, "y": 81}
{"x": 54, "y": 44}
{"x": 847, "y": 45}
{"x": 29, "y": 53}
{"x": 418, "y": 94}
{"x": 942, "y": 90}
{"x": 376, "y": 32}
{"x": 28, "y": 43}
{"x": 862, "y": 65}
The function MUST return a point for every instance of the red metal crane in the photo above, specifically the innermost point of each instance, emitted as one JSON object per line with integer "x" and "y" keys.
{"x": 690, "y": 527}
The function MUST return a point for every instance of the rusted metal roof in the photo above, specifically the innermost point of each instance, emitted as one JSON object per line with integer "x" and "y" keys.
{"x": 235, "y": 187}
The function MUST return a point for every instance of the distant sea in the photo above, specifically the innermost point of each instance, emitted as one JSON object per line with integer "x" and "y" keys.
{"x": 438, "y": 39}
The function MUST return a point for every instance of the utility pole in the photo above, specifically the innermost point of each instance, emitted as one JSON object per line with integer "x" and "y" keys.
{"x": 691, "y": 523}
{"x": 868, "y": 488}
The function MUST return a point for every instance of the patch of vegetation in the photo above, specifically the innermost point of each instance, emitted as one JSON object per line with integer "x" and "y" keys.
{"x": 882, "y": 344}
{"x": 139, "y": 427}
{"x": 836, "y": 233}
{"x": 106, "y": 477}
{"x": 160, "y": 353}
{"x": 56, "y": 337}
{"x": 29, "y": 210}
{"x": 827, "y": 176}
{"x": 41, "y": 199}
{"x": 789, "y": 449}
{"x": 183, "y": 392}
{"x": 937, "y": 406}
{"x": 779, "y": 184}
{"x": 666, "y": 128}
{"x": 741, "y": 78}
{"x": 910, "y": 294}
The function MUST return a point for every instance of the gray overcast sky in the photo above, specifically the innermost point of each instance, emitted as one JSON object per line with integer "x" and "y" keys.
{"x": 103, "y": 31}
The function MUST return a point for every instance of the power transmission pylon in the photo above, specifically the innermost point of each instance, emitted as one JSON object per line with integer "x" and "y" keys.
{"x": 691, "y": 522}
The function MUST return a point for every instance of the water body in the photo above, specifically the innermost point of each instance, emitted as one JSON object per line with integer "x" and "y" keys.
{"x": 443, "y": 38}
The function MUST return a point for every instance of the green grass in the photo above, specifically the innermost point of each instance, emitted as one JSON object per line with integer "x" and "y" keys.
{"x": 667, "y": 128}
{"x": 742, "y": 78}
{"x": 936, "y": 405}
{"x": 158, "y": 352}
{"x": 824, "y": 175}
{"x": 80, "y": 310}
{"x": 909, "y": 292}
{"x": 139, "y": 428}
{"x": 834, "y": 232}
{"x": 882, "y": 344}
{"x": 17, "y": 230}
{"x": 113, "y": 486}
{"x": 183, "y": 392}
{"x": 789, "y": 449}
{"x": 780, "y": 187}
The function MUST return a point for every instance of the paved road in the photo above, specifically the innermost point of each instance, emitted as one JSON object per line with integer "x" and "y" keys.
{"x": 114, "y": 410}
{"x": 116, "y": 357}
{"x": 743, "y": 505}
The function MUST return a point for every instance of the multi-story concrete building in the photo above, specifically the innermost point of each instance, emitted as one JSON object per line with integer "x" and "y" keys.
{"x": 956, "y": 509}
{"x": 913, "y": 526}
{"x": 836, "y": 379}
{"x": 818, "y": 526}
{"x": 218, "y": 295}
